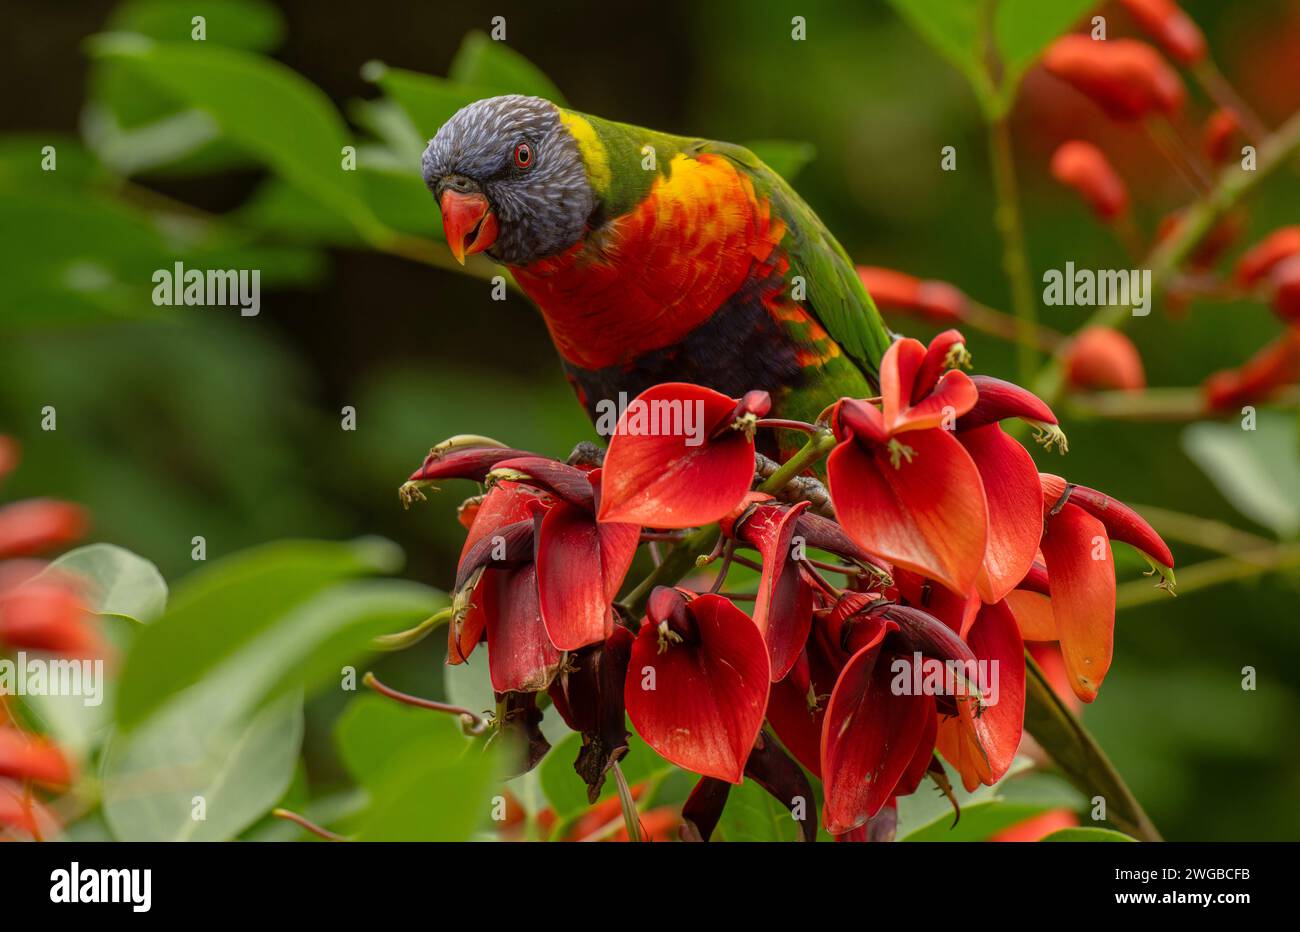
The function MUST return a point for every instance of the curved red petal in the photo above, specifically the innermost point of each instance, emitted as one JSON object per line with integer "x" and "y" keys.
{"x": 701, "y": 704}
{"x": 571, "y": 579}
{"x": 927, "y": 515}
{"x": 898, "y": 369}
{"x": 783, "y": 609}
{"x": 1082, "y": 571}
{"x": 869, "y": 738}
{"x": 1014, "y": 498}
{"x": 1033, "y": 614}
{"x": 996, "y": 642}
{"x": 666, "y": 479}
{"x": 952, "y": 397}
{"x": 521, "y": 657}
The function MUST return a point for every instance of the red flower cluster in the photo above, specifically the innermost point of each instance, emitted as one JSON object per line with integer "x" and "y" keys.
{"x": 943, "y": 528}
{"x": 37, "y": 613}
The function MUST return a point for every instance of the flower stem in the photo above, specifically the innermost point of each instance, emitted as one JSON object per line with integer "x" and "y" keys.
{"x": 818, "y": 445}
{"x": 404, "y": 639}
{"x": 1164, "y": 260}
{"x": 1080, "y": 758}
{"x": 1006, "y": 217}
{"x": 1208, "y": 573}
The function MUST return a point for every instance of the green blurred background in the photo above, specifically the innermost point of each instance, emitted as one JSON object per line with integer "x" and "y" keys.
{"x": 176, "y": 422}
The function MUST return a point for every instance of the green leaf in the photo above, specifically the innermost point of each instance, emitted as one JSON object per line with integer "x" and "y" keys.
{"x": 1021, "y": 30}
{"x": 427, "y": 100}
{"x": 191, "y": 760}
{"x": 223, "y": 607}
{"x": 1088, "y": 834}
{"x": 483, "y": 62}
{"x": 785, "y": 157}
{"x": 1257, "y": 471}
{"x": 565, "y": 790}
{"x": 121, "y": 583}
{"x": 1024, "y": 29}
{"x": 978, "y": 821}
{"x": 953, "y": 28}
{"x": 265, "y": 107}
{"x": 752, "y": 814}
{"x": 426, "y": 780}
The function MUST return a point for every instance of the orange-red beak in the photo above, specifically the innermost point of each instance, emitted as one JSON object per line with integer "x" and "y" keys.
{"x": 468, "y": 222}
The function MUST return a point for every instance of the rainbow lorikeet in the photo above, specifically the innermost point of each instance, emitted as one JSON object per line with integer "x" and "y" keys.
{"x": 657, "y": 258}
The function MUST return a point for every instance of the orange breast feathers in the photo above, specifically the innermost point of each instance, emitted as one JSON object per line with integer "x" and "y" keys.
{"x": 648, "y": 278}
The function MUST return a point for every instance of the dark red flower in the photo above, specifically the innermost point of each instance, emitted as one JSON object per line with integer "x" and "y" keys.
{"x": 697, "y": 683}
{"x": 1271, "y": 369}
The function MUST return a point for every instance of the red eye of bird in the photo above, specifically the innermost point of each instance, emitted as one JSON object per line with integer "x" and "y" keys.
{"x": 523, "y": 155}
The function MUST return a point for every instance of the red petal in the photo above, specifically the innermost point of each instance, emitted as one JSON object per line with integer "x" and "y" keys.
{"x": 20, "y": 811}
{"x": 464, "y": 635}
{"x": 580, "y": 567}
{"x": 26, "y": 757}
{"x": 48, "y": 615}
{"x": 955, "y": 395}
{"x": 521, "y": 657}
{"x": 1122, "y": 522}
{"x": 567, "y": 482}
{"x": 1083, "y": 595}
{"x": 710, "y": 692}
{"x": 462, "y": 463}
{"x": 928, "y": 515}
{"x": 1014, "y": 500}
{"x": 505, "y": 503}
{"x": 1033, "y": 613}
{"x": 869, "y": 738}
{"x": 999, "y": 400}
{"x": 935, "y": 363}
{"x": 39, "y": 524}
{"x": 898, "y": 369}
{"x": 783, "y": 610}
{"x": 994, "y": 639}
{"x": 658, "y": 480}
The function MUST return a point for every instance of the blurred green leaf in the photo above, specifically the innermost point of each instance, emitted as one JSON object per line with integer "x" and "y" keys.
{"x": 752, "y": 814}
{"x": 192, "y": 760}
{"x": 482, "y": 62}
{"x": 785, "y": 157}
{"x": 428, "y": 101}
{"x": 265, "y": 107}
{"x": 565, "y": 790}
{"x": 1088, "y": 834}
{"x": 1257, "y": 471}
{"x": 223, "y": 607}
{"x": 426, "y": 780}
{"x": 121, "y": 583}
{"x": 1022, "y": 29}
{"x": 953, "y": 29}
{"x": 135, "y": 126}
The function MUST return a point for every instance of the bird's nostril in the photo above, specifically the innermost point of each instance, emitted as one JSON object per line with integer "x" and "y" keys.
{"x": 458, "y": 183}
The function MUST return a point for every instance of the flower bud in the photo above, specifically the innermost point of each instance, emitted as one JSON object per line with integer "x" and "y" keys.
{"x": 905, "y": 294}
{"x": 1082, "y": 166}
{"x": 1259, "y": 260}
{"x": 1166, "y": 22}
{"x": 1126, "y": 78}
{"x": 1285, "y": 279}
{"x": 1220, "y": 128}
{"x": 1273, "y": 367}
{"x": 1103, "y": 358}
{"x": 29, "y": 757}
{"x": 39, "y": 524}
